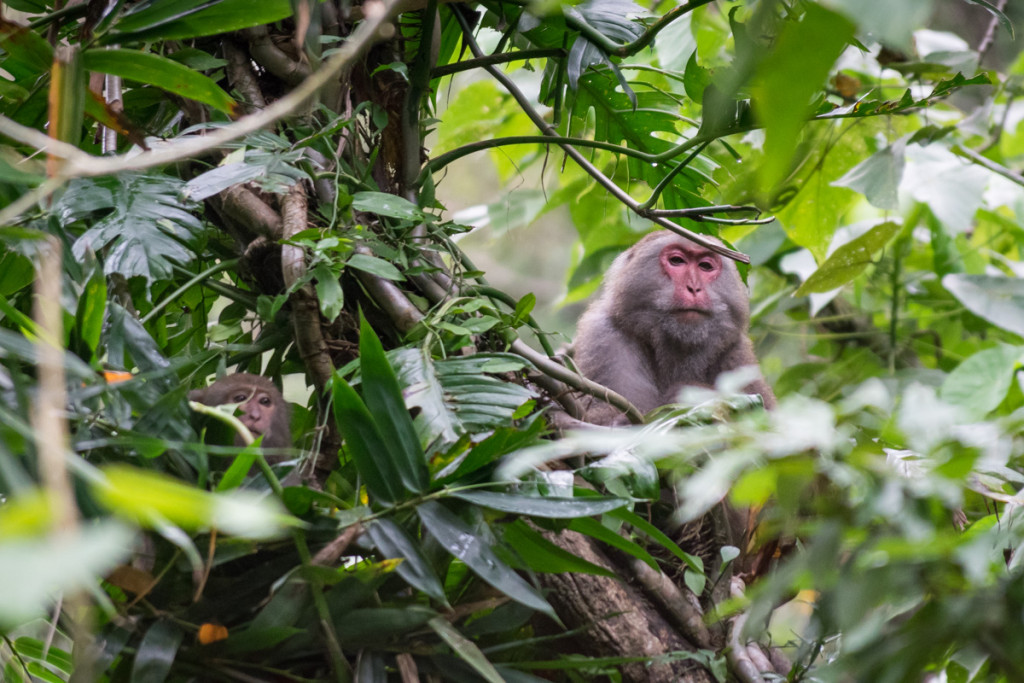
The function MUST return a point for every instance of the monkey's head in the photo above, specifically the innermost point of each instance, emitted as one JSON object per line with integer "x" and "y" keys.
{"x": 263, "y": 410}
{"x": 668, "y": 284}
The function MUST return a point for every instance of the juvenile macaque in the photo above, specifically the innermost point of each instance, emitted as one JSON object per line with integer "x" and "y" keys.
{"x": 263, "y": 409}
{"x": 671, "y": 314}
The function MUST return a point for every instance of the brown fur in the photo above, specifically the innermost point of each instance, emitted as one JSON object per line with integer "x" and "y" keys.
{"x": 633, "y": 340}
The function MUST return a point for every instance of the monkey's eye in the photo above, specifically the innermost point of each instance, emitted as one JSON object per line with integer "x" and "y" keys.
{"x": 676, "y": 260}
{"x": 265, "y": 401}
{"x": 239, "y": 398}
{"x": 706, "y": 266}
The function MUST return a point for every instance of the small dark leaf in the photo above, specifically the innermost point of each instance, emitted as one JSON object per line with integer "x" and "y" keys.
{"x": 157, "y": 652}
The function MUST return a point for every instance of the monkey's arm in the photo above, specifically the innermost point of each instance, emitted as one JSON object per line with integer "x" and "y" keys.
{"x": 605, "y": 355}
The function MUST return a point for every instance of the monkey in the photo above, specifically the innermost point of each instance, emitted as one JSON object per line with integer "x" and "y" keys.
{"x": 670, "y": 314}
{"x": 264, "y": 410}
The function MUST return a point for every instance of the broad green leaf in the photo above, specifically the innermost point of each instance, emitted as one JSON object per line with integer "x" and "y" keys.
{"x": 466, "y": 649}
{"x": 137, "y": 222}
{"x": 594, "y": 529}
{"x": 384, "y": 204}
{"x": 365, "y": 444}
{"x": 789, "y": 77}
{"x": 695, "y": 79}
{"x": 164, "y": 73}
{"x": 194, "y": 18}
{"x": 92, "y": 306}
{"x": 157, "y": 652}
{"x": 849, "y": 260}
{"x": 459, "y": 540}
{"x": 392, "y": 542}
{"x": 996, "y": 298}
{"x": 328, "y": 290}
{"x": 375, "y": 266}
{"x": 384, "y": 400}
{"x": 33, "y": 571}
{"x": 535, "y": 506}
{"x": 979, "y": 384}
{"x": 878, "y": 177}
{"x": 542, "y": 555}
{"x": 28, "y": 53}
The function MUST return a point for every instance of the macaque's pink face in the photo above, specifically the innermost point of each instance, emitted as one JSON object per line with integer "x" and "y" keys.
{"x": 692, "y": 270}
{"x": 257, "y": 412}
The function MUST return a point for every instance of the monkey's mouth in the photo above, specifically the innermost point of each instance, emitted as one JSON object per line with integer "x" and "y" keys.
{"x": 691, "y": 313}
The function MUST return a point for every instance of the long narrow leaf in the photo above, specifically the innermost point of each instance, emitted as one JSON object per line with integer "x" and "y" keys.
{"x": 384, "y": 400}
{"x": 365, "y": 444}
{"x": 466, "y": 649}
{"x": 175, "y": 78}
{"x": 594, "y": 529}
{"x": 534, "y": 506}
{"x": 460, "y": 541}
{"x": 542, "y": 555}
{"x": 392, "y": 541}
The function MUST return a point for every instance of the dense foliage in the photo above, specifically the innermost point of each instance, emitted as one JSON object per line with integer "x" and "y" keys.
{"x": 189, "y": 188}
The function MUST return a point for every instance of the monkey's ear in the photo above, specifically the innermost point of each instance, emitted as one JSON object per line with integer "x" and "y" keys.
{"x": 197, "y": 395}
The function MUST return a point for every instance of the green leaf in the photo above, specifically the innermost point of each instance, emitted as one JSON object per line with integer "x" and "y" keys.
{"x": 364, "y": 443}
{"x": 878, "y": 177}
{"x": 92, "y": 306}
{"x": 164, "y": 73}
{"x": 849, "y": 260}
{"x": 157, "y": 652}
{"x": 594, "y": 529}
{"x": 28, "y": 53}
{"x": 979, "y": 384}
{"x": 695, "y": 79}
{"x": 194, "y": 18}
{"x": 787, "y": 80}
{"x": 465, "y": 649}
{"x": 137, "y": 222}
{"x": 375, "y": 266}
{"x": 384, "y": 204}
{"x": 459, "y": 540}
{"x": 996, "y": 298}
{"x": 655, "y": 534}
{"x": 453, "y": 395}
{"x": 384, "y": 400}
{"x": 328, "y": 290}
{"x": 392, "y": 542}
{"x": 542, "y": 555}
{"x": 534, "y": 506}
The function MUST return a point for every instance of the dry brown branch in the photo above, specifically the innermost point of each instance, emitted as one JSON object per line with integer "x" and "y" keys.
{"x": 305, "y": 307}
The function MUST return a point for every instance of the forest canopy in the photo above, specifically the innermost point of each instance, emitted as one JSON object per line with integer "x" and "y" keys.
{"x": 394, "y": 210}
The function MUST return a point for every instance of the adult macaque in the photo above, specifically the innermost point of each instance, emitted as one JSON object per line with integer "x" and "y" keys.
{"x": 670, "y": 314}
{"x": 263, "y": 409}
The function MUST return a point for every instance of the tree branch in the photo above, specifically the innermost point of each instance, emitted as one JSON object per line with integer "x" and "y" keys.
{"x": 590, "y": 169}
